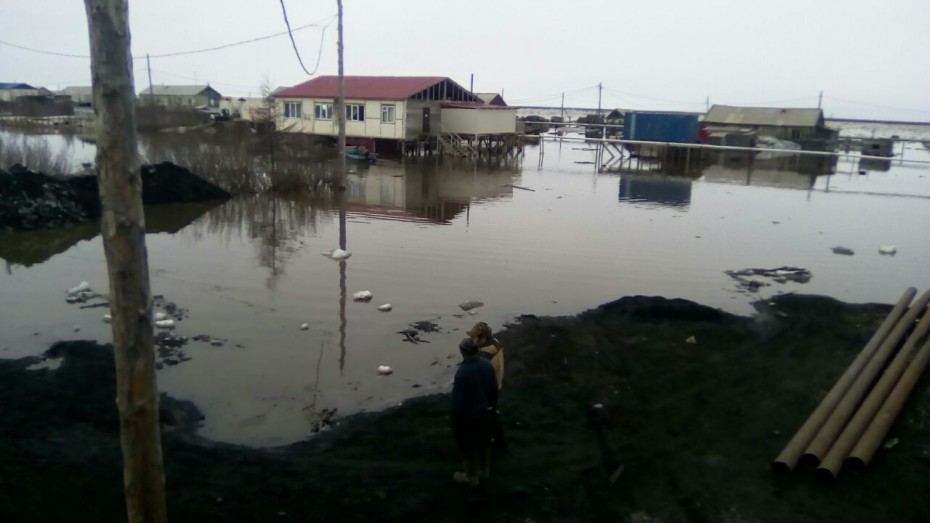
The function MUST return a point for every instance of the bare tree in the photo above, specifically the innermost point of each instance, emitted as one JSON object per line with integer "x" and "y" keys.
{"x": 123, "y": 231}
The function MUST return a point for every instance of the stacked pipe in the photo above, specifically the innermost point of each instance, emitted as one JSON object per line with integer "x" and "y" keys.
{"x": 852, "y": 419}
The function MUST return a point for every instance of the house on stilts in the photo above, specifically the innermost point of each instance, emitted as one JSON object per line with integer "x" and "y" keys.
{"x": 412, "y": 115}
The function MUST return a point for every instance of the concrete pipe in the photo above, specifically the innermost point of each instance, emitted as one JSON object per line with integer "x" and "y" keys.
{"x": 865, "y": 449}
{"x": 788, "y": 458}
{"x": 844, "y": 409}
{"x": 832, "y": 463}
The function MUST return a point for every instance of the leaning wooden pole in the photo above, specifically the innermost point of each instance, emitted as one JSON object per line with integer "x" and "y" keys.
{"x": 865, "y": 449}
{"x": 838, "y": 419}
{"x": 789, "y": 456}
{"x": 832, "y": 463}
{"x": 123, "y": 230}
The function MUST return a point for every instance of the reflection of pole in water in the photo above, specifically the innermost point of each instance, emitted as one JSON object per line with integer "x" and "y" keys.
{"x": 342, "y": 282}
{"x": 342, "y": 315}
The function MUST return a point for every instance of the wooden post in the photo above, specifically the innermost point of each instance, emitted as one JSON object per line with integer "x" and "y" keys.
{"x": 123, "y": 230}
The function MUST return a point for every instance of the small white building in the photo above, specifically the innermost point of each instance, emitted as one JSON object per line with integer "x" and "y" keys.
{"x": 396, "y": 108}
{"x": 81, "y": 95}
{"x": 194, "y": 96}
{"x": 12, "y": 91}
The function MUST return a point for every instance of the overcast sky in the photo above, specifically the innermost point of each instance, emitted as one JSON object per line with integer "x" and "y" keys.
{"x": 871, "y": 59}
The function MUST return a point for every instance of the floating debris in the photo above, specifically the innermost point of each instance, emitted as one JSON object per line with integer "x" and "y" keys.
{"x": 82, "y": 287}
{"x": 753, "y": 279}
{"x": 165, "y": 324}
{"x": 362, "y": 296}
{"x": 107, "y": 318}
{"x": 889, "y": 250}
{"x": 338, "y": 254}
{"x": 385, "y": 308}
{"x": 691, "y": 339}
{"x": 384, "y": 370}
{"x": 845, "y": 251}
{"x": 471, "y": 304}
{"x": 304, "y": 326}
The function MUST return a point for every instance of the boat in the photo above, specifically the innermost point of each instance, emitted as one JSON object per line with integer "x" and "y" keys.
{"x": 361, "y": 154}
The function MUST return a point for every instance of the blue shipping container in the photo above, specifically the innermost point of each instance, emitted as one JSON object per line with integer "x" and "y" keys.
{"x": 660, "y": 127}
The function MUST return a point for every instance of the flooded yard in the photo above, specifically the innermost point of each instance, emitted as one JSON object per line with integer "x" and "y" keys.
{"x": 542, "y": 238}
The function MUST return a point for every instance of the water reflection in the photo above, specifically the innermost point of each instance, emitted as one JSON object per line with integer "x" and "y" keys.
{"x": 786, "y": 171}
{"x": 426, "y": 191}
{"x": 665, "y": 190}
{"x": 28, "y": 248}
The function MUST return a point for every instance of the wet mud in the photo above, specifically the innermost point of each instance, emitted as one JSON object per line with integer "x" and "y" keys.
{"x": 641, "y": 410}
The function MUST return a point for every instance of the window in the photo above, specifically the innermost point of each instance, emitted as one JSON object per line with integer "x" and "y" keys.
{"x": 323, "y": 111}
{"x": 355, "y": 113}
{"x": 292, "y": 109}
{"x": 387, "y": 114}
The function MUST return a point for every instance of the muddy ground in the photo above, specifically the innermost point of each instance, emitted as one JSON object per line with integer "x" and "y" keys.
{"x": 695, "y": 425}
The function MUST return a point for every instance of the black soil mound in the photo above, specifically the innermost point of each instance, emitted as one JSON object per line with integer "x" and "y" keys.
{"x": 31, "y": 200}
{"x": 644, "y": 409}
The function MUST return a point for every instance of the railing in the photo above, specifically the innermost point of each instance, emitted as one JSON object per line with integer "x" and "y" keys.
{"x": 456, "y": 145}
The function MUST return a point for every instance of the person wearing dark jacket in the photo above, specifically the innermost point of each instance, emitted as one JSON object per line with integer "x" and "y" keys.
{"x": 474, "y": 399}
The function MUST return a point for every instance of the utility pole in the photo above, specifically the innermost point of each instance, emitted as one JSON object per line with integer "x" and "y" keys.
{"x": 341, "y": 110}
{"x": 562, "y": 113}
{"x": 820, "y": 100}
{"x": 148, "y": 65}
{"x": 123, "y": 230}
{"x": 707, "y": 104}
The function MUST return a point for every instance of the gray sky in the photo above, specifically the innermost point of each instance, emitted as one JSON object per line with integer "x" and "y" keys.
{"x": 871, "y": 59}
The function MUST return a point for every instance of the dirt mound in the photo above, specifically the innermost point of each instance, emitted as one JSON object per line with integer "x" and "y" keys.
{"x": 31, "y": 200}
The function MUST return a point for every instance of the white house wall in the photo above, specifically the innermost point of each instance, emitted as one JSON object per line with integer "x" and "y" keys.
{"x": 371, "y": 127}
{"x": 479, "y": 121}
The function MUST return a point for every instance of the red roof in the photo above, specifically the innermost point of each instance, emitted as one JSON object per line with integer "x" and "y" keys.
{"x": 362, "y": 87}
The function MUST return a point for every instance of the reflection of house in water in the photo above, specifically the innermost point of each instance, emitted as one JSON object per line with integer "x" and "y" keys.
{"x": 793, "y": 171}
{"x": 874, "y": 164}
{"x": 424, "y": 192}
{"x": 671, "y": 191}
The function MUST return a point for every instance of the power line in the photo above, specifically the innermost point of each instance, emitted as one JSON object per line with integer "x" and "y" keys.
{"x": 317, "y": 23}
{"x": 40, "y": 51}
{"x": 876, "y": 105}
{"x": 294, "y": 44}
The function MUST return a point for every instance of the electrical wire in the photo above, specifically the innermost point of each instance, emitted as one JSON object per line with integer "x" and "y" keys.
{"x": 40, "y": 51}
{"x": 317, "y": 23}
{"x": 294, "y": 44}
{"x": 876, "y": 105}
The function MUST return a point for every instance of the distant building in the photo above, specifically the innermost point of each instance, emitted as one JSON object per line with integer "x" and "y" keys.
{"x": 492, "y": 99}
{"x": 796, "y": 125}
{"x": 12, "y": 91}
{"x": 81, "y": 95}
{"x": 396, "y": 108}
{"x": 193, "y": 96}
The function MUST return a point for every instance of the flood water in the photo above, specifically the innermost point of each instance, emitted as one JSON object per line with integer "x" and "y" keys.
{"x": 545, "y": 238}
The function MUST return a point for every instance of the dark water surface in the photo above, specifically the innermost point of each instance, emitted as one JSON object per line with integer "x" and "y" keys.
{"x": 427, "y": 237}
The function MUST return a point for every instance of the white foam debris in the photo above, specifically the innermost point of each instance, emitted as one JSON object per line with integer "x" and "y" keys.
{"x": 386, "y": 307}
{"x": 83, "y": 286}
{"x": 691, "y": 339}
{"x": 384, "y": 370}
{"x": 107, "y": 318}
{"x": 338, "y": 254}
{"x": 165, "y": 324}
{"x": 890, "y": 250}
{"x": 160, "y": 316}
{"x": 304, "y": 326}
{"x": 362, "y": 296}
